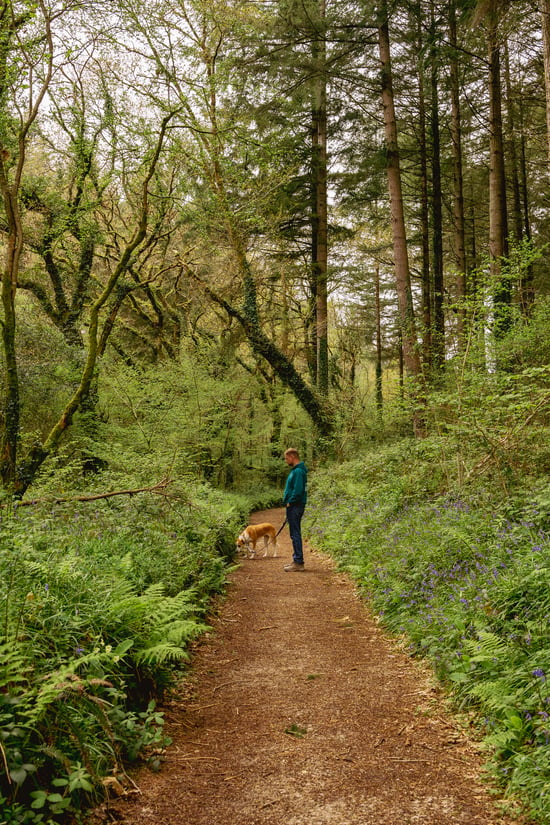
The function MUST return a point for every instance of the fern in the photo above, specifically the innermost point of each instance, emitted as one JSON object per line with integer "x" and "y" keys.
{"x": 185, "y": 630}
{"x": 160, "y": 625}
{"x": 14, "y": 667}
{"x": 495, "y": 694}
{"x": 487, "y": 647}
{"x": 161, "y": 653}
{"x": 503, "y": 740}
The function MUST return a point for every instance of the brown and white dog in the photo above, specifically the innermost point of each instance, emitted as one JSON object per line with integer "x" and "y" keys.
{"x": 246, "y": 543}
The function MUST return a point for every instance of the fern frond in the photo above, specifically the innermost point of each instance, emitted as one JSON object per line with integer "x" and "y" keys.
{"x": 14, "y": 665}
{"x": 154, "y": 592}
{"x": 503, "y": 740}
{"x": 495, "y": 694}
{"x": 160, "y": 653}
{"x": 171, "y": 608}
{"x": 487, "y": 646}
{"x": 185, "y": 630}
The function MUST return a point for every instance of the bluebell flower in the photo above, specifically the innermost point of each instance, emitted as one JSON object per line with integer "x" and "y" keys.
{"x": 539, "y": 673}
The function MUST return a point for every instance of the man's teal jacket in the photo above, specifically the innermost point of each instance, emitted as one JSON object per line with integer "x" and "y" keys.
{"x": 296, "y": 485}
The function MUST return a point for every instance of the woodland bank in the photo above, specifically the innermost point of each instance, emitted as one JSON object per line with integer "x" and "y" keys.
{"x": 463, "y": 578}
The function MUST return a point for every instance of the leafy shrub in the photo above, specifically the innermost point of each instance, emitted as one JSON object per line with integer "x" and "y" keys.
{"x": 99, "y": 603}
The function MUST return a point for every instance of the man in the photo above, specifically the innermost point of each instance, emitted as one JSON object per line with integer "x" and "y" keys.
{"x": 294, "y": 499}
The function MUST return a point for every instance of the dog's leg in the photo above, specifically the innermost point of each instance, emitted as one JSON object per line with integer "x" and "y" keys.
{"x": 266, "y": 545}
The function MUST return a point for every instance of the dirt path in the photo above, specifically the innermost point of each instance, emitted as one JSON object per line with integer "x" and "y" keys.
{"x": 301, "y": 712}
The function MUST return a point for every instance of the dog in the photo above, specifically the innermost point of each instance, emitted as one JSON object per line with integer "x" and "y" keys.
{"x": 246, "y": 543}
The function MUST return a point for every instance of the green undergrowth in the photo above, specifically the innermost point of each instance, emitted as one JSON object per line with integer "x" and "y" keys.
{"x": 465, "y": 580}
{"x": 99, "y": 603}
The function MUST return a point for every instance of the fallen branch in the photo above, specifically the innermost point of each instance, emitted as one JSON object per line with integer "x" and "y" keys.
{"x": 158, "y": 488}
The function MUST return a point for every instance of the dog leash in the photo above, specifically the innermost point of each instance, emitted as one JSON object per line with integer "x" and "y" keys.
{"x": 281, "y": 527}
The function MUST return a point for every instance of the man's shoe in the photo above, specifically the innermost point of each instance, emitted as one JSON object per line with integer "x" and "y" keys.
{"x": 294, "y": 568}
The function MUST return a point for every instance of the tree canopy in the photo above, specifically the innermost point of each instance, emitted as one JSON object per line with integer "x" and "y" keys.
{"x": 334, "y": 203}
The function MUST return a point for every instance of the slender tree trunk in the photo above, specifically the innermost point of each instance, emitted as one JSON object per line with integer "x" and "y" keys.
{"x": 473, "y": 236}
{"x": 401, "y": 367}
{"x": 498, "y": 220}
{"x": 545, "y": 12}
{"x": 527, "y": 286}
{"x": 427, "y": 351}
{"x": 438, "y": 343}
{"x": 319, "y": 199}
{"x": 402, "y": 273}
{"x": 10, "y": 186}
{"x": 512, "y": 148}
{"x": 11, "y": 411}
{"x": 310, "y": 334}
{"x": 352, "y": 369}
{"x": 379, "y": 395}
{"x": 276, "y": 411}
{"x": 285, "y": 319}
{"x": 459, "y": 233}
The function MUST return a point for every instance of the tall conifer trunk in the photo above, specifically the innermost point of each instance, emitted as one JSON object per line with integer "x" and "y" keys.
{"x": 407, "y": 324}
{"x": 516, "y": 143}
{"x": 545, "y": 12}
{"x": 512, "y": 149}
{"x": 527, "y": 286}
{"x": 319, "y": 198}
{"x": 427, "y": 351}
{"x": 498, "y": 219}
{"x": 438, "y": 338}
{"x": 459, "y": 232}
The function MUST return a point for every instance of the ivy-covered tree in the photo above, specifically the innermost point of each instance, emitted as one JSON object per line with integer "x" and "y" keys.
{"x": 64, "y": 241}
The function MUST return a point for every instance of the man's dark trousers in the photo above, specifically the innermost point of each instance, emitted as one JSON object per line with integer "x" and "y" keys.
{"x": 294, "y": 513}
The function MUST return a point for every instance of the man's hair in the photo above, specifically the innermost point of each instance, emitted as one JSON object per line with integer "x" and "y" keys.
{"x": 292, "y": 451}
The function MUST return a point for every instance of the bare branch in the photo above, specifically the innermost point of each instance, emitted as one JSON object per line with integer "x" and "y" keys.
{"x": 159, "y": 488}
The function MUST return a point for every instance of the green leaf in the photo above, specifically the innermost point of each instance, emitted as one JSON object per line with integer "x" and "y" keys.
{"x": 80, "y": 783}
{"x": 123, "y": 647}
{"x": 18, "y": 775}
{"x": 296, "y": 731}
{"x": 458, "y": 676}
{"x": 514, "y": 720}
{"x": 39, "y": 798}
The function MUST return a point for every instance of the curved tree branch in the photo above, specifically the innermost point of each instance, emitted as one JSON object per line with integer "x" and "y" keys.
{"x": 283, "y": 368}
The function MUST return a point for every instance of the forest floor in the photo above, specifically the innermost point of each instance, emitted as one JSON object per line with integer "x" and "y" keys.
{"x": 300, "y": 710}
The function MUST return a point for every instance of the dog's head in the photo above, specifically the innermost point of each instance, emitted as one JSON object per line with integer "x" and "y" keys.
{"x": 244, "y": 545}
